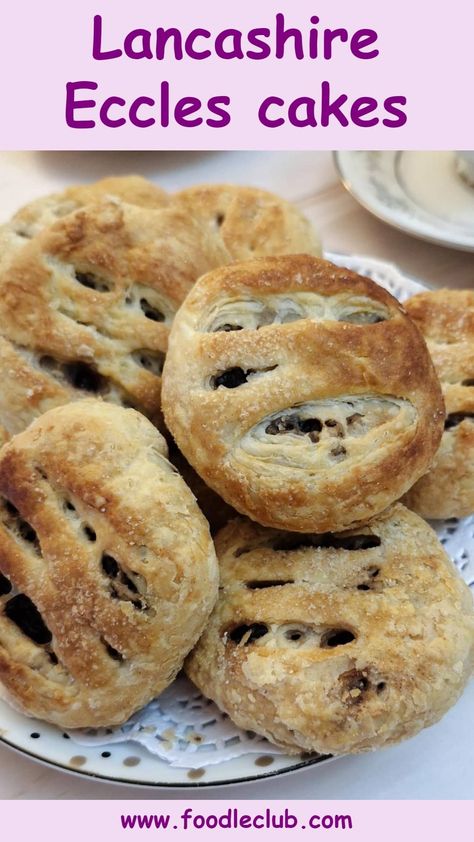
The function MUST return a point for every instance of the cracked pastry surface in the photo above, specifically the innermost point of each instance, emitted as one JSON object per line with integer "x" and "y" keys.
{"x": 86, "y": 305}
{"x": 107, "y": 569}
{"x": 250, "y": 222}
{"x": 301, "y": 392}
{"x": 45, "y": 211}
{"x": 446, "y": 320}
{"x": 336, "y": 643}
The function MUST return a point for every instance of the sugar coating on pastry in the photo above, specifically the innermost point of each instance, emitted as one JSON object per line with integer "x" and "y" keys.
{"x": 45, "y": 211}
{"x": 301, "y": 392}
{"x": 107, "y": 568}
{"x": 446, "y": 320}
{"x": 336, "y": 643}
{"x": 86, "y": 307}
{"x": 251, "y": 222}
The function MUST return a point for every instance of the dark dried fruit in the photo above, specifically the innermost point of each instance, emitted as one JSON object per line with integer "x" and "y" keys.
{"x": 295, "y": 424}
{"x": 455, "y": 418}
{"x": 5, "y": 585}
{"x": 27, "y": 532}
{"x": 336, "y": 637}
{"x": 227, "y": 327}
{"x": 256, "y": 631}
{"x": 284, "y": 424}
{"x": 268, "y": 583}
{"x": 90, "y": 533}
{"x": 110, "y": 566}
{"x": 24, "y": 613}
{"x": 354, "y": 684}
{"x": 84, "y": 376}
{"x": 150, "y": 311}
{"x": 113, "y": 653}
{"x": 294, "y": 634}
{"x": 311, "y": 425}
{"x": 354, "y": 418}
{"x": 231, "y": 379}
{"x": 91, "y": 281}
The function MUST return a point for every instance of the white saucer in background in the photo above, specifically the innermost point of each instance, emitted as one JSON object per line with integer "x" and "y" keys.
{"x": 420, "y": 193}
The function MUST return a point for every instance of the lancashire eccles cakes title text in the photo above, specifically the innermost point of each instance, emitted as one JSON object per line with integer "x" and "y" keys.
{"x": 87, "y": 105}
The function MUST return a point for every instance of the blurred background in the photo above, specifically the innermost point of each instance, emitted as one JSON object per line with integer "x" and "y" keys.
{"x": 310, "y": 179}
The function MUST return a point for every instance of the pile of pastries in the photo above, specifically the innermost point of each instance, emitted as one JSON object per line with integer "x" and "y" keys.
{"x": 179, "y": 366}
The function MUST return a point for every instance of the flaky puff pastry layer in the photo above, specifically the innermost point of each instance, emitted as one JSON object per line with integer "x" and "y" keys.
{"x": 250, "y": 222}
{"x": 107, "y": 569}
{"x": 86, "y": 306}
{"x": 46, "y": 210}
{"x": 446, "y": 320}
{"x": 301, "y": 392}
{"x": 336, "y": 643}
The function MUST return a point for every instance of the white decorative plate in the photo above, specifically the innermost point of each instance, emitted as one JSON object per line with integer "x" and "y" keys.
{"x": 182, "y": 739}
{"x": 420, "y": 193}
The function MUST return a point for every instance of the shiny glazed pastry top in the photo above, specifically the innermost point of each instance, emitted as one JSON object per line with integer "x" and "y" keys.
{"x": 301, "y": 392}
{"x": 107, "y": 569}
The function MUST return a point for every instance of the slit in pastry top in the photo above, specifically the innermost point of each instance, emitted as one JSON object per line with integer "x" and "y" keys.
{"x": 331, "y": 430}
{"x": 252, "y": 313}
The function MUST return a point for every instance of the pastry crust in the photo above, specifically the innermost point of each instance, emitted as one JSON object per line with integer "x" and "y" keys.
{"x": 329, "y": 644}
{"x": 301, "y": 392}
{"x": 86, "y": 306}
{"x": 45, "y": 211}
{"x": 446, "y": 320}
{"x": 251, "y": 222}
{"x": 108, "y": 572}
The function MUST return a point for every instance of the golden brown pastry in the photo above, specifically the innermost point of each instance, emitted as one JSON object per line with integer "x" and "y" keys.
{"x": 251, "y": 222}
{"x": 45, "y": 211}
{"x": 107, "y": 568}
{"x": 446, "y": 320}
{"x": 86, "y": 306}
{"x": 301, "y": 392}
{"x": 336, "y": 643}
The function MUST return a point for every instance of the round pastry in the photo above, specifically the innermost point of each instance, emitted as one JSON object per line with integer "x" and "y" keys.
{"x": 446, "y": 320}
{"x": 86, "y": 306}
{"x": 45, "y": 211}
{"x": 107, "y": 568}
{"x": 336, "y": 643}
{"x": 251, "y": 222}
{"x": 301, "y": 392}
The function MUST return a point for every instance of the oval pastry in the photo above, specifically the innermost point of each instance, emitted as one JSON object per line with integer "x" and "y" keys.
{"x": 86, "y": 306}
{"x": 336, "y": 643}
{"x": 250, "y": 222}
{"x": 107, "y": 568}
{"x": 301, "y": 392}
{"x": 45, "y": 211}
{"x": 446, "y": 320}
